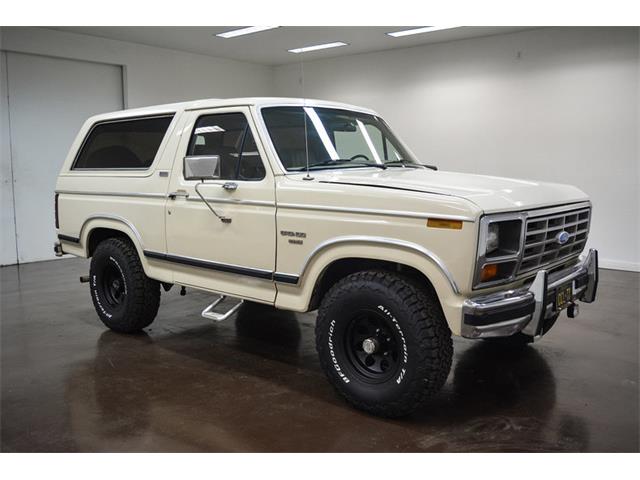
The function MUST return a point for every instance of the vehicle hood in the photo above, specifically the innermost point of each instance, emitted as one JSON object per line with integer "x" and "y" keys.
{"x": 491, "y": 194}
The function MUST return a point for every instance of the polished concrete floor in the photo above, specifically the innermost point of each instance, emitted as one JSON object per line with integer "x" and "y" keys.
{"x": 253, "y": 383}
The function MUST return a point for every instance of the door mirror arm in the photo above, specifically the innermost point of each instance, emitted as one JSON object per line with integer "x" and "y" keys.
{"x": 220, "y": 217}
{"x": 204, "y": 167}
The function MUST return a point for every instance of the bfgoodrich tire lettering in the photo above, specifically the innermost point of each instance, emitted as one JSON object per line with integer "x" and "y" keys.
{"x": 383, "y": 342}
{"x": 125, "y": 299}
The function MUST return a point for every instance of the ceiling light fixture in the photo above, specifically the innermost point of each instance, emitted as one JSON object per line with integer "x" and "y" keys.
{"x": 415, "y": 31}
{"x": 243, "y": 31}
{"x": 312, "y": 48}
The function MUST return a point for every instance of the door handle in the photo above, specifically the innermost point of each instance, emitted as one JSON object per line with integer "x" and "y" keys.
{"x": 230, "y": 186}
{"x": 179, "y": 193}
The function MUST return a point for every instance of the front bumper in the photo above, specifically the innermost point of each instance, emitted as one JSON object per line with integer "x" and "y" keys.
{"x": 504, "y": 313}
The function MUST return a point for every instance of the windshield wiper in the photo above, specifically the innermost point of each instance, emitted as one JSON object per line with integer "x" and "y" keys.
{"x": 403, "y": 164}
{"x": 345, "y": 162}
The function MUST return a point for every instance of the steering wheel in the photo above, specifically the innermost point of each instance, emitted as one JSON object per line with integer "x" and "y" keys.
{"x": 358, "y": 156}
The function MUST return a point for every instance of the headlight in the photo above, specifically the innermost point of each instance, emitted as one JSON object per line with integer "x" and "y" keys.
{"x": 499, "y": 249}
{"x": 492, "y": 238}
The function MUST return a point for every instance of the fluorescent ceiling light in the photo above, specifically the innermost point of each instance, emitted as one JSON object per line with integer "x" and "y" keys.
{"x": 243, "y": 31}
{"x": 311, "y": 48}
{"x": 415, "y": 31}
{"x": 322, "y": 133}
{"x": 368, "y": 141}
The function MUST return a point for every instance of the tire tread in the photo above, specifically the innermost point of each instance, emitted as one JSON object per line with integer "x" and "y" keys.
{"x": 435, "y": 347}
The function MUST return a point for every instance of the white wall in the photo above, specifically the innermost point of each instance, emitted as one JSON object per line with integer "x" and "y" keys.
{"x": 565, "y": 108}
{"x": 556, "y": 104}
{"x": 151, "y": 76}
{"x": 8, "y": 253}
{"x": 49, "y": 100}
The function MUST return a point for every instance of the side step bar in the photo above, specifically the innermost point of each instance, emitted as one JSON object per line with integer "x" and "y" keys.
{"x": 219, "y": 317}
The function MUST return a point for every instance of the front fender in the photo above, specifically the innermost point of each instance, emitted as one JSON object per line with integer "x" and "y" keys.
{"x": 298, "y": 297}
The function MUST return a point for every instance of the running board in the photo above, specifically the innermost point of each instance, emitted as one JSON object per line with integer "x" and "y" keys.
{"x": 219, "y": 317}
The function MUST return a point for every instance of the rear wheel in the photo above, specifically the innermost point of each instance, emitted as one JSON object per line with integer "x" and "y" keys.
{"x": 125, "y": 299}
{"x": 383, "y": 342}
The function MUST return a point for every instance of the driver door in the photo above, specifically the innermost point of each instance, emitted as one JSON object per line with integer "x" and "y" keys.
{"x": 235, "y": 258}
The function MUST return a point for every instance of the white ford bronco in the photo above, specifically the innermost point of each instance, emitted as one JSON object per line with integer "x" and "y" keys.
{"x": 305, "y": 205}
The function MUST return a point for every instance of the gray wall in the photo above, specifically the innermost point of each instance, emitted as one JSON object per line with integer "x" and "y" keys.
{"x": 8, "y": 253}
{"x": 49, "y": 100}
{"x": 152, "y": 75}
{"x": 39, "y": 59}
{"x": 556, "y": 104}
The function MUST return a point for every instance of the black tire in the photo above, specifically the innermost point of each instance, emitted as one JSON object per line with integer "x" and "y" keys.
{"x": 395, "y": 316}
{"x": 519, "y": 340}
{"x": 125, "y": 299}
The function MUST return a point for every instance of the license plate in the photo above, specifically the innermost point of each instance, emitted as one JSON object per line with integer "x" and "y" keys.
{"x": 564, "y": 296}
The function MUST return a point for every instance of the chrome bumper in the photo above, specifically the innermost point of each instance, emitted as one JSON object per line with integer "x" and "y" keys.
{"x": 501, "y": 314}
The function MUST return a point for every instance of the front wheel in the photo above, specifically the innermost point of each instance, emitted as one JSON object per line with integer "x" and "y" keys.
{"x": 125, "y": 299}
{"x": 383, "y": 342}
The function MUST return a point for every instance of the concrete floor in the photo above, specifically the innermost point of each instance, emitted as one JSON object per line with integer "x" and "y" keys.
{"x": 253, "y": 383}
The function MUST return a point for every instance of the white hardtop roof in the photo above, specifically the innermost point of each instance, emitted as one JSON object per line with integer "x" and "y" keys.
{"x": 225, "y": 102}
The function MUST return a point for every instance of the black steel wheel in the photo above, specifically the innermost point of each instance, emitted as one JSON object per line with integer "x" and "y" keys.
{"x": 373, "y": 346}
{"x": 383, "y": 342}
{"x": 113, "y": 285}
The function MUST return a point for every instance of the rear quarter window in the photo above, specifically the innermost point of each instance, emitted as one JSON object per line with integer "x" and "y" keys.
{"x": 123, "y": 144}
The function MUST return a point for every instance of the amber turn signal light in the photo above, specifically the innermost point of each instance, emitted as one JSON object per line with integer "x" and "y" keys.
{"x": 444, "y": 223}
{"x": 488, "y": 272}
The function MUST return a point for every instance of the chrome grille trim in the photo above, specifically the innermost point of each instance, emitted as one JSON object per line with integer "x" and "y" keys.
{"x": 540, "y": 245}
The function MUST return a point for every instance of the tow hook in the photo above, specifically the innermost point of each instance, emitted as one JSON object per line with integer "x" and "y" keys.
{"x": 573, "y": 310}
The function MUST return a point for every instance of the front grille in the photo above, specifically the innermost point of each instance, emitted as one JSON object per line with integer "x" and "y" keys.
{"x": 541, "y": 245}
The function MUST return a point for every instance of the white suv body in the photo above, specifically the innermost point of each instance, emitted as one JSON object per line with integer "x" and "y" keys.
{"x": 295, "y": 223}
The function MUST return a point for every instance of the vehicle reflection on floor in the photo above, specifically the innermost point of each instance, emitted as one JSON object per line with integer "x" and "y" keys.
{"x": 260, "y": 389}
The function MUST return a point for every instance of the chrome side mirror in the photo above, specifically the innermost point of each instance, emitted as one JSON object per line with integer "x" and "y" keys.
{"x": 202, "y": 167}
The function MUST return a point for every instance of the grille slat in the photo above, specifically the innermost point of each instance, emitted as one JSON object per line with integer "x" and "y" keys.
{"x": 551, "y": 240}
{"x": 541, "y": 247}
{"x": 556, "y": 227}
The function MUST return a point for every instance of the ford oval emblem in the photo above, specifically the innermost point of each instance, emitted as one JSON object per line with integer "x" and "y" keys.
{"x": 562, "y": 237}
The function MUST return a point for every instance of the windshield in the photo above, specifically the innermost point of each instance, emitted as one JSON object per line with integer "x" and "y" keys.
{"x": 334, "y": 138}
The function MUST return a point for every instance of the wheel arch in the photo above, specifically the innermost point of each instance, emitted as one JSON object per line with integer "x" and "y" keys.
{"x": 334, "y": 259}
{"x": 100, "y": 227}
{"x": 341, "y": 268}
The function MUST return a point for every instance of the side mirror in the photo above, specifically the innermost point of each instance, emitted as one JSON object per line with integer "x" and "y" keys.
{"x": 202, "y": 167}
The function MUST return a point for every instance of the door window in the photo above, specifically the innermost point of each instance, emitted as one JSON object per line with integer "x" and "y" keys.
{"x": 228, "y": 136}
